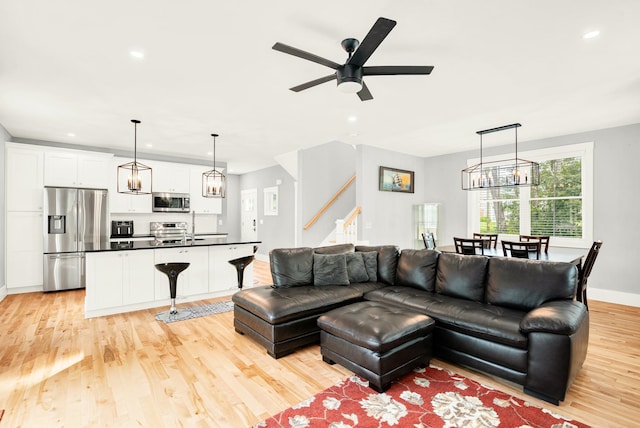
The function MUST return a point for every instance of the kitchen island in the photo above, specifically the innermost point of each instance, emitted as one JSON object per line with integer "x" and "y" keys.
{"x": 121, "y": 276}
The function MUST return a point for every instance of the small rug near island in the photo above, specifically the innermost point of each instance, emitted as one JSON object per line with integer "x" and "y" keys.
{"x": 198, "y": 311}
{"x": 430, "y": 397}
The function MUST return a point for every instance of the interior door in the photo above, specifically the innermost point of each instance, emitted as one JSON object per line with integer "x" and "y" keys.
{"x": 249, "y": 215}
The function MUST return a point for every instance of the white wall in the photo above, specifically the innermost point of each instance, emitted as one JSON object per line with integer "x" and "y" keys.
{"x": 275, "y": 231}
{"x": 322, "y": 171}
{"x": 616, "y": 203}
{"x": 387, "y": 217}
{"x": 4, "y": 136}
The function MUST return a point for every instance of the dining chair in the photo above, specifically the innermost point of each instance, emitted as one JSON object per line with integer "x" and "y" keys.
{"x": 469, "y": 246}
{"x": 523, "y": 250}
{"x": 544, "y": 240}
{"x": 491, "y": 239}
{"x": 429, "y": 241}
{"x": 581, "y": 294}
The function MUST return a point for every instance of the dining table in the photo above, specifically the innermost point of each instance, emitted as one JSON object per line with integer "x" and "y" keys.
{"x": 555, "y": 254}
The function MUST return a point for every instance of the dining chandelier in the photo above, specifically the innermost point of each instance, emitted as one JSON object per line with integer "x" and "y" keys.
{"x": 133, "y": 177}
{"x": 501, "y": 173}
{"x": 214, "y": 182}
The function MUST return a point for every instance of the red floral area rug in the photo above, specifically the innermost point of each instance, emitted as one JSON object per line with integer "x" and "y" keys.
{"x": 430, "y": 397}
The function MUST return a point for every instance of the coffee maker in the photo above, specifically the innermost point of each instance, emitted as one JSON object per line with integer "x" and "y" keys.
{"x": 121, "y": 228}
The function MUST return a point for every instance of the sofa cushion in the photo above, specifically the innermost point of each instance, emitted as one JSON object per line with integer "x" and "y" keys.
{"x": 476, "y": 319}
{"x": 417, "y": 269}
{"x": 387, "y": 261}
{"x": 334, "y": 249}
{"x": 370, "y": 259}
{"x": 283, "y": 304}
{"x": 356, "y": 268}
{"x": 330, "y": 269}
{"x": 291, "y": 267}
{"x": 461, "y": 276}
{"x": 526, "y": 284}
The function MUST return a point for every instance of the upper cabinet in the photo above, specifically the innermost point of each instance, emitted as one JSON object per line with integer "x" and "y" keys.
{"x": 24, "y": 178}
{"x": 170, "y": 177}
{"x": 124, "y": 202}
{"x": 72, "y": 168}
{"x": 199, "y": 203}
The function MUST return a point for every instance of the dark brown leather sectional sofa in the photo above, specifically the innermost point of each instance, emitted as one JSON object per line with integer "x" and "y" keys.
{"x": 513, "y": 318}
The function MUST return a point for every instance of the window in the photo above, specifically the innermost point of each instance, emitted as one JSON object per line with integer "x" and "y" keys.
{"x": 561, "y": 206}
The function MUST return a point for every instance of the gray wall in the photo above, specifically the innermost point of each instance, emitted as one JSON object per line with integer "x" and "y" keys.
{"x": 615, "y": 199}
{"x": 322, "y": 171}
{"x": 4, "y": 136}
{"x": 387, "y": 217}
{"x": 274, "y": 231}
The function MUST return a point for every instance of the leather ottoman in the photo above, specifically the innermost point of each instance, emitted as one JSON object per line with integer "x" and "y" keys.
{"x": 376, "y": 341}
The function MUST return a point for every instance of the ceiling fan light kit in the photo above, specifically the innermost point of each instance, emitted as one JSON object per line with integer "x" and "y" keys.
{"x": 502, "y": 173}
{"x": 349, "y": 75}
{"x": 134, "y": 177}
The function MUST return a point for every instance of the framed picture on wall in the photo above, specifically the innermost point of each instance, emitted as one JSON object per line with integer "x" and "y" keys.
{"x": 396, "y": 180}
{"x": 271, "y": 200}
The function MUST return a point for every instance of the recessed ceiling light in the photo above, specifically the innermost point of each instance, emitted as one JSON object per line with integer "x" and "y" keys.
{"x": 209, "y": 153}
{"x": 149, "y": 145}
{"x": 137, "y": 54}
{"x": 591, "y": 34}
{"x": 353, "y": 134}
{"x": 352, "y": 119}
{"x": 70, "y": 134}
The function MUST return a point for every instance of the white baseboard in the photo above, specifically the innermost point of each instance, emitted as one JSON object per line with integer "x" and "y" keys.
{"x": 3, "y": 292}
{"x": 262, "y": 257}
{"x": 612, "y": 296}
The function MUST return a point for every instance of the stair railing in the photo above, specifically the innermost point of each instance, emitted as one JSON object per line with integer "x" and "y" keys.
{"x": 330, "y": 202}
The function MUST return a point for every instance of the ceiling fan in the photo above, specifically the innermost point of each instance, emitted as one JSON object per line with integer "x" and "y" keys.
{"x": 349, "y": 75}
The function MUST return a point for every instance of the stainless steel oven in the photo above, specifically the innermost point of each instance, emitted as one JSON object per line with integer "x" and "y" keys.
{"x": 171, "y": 202}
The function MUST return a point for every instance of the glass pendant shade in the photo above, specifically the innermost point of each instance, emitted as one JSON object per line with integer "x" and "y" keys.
{"x": 502, "y": 173}
{"x": 134, "y": 177}
{"x": 214, "y": 182}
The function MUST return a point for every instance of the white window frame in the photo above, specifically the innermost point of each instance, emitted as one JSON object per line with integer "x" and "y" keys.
{"x": 582, "y": 150}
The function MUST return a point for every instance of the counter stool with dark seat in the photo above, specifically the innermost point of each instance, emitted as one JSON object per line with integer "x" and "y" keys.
{"x": 241, "y": 263}
{"x": 375, "y": 340}
{"x": 172, "y": 270}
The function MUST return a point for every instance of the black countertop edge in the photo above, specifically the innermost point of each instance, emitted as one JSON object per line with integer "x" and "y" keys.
{"x": 124, "y": 238}
{"x": 151, "y": 245}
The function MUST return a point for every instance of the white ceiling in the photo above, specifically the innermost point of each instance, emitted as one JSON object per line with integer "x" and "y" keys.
{"x": 209, "y": 67}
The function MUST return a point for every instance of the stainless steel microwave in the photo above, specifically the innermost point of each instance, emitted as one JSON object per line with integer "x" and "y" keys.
{"x": 171, "y": 202}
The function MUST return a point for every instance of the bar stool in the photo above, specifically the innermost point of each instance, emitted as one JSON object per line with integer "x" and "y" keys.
{"x": 240, "y": 264}
{"x": 172, "y": 270}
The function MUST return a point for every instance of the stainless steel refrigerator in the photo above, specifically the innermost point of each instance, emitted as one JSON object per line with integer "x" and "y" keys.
{"x": 75, "y": 220}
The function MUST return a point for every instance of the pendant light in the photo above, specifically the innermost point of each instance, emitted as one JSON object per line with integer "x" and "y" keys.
{"x": 134, "y": 178}
{"x": 501, "y": 173}
{"x": 214, "y": 182}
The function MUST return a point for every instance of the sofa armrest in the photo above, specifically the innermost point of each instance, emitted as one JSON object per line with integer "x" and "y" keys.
{"x": 558, "y": 316}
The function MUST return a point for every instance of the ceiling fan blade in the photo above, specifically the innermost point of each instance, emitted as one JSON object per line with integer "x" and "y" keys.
{"x": 364, "y": 93}
{"x": 372, "y": 40}
{"x": 313, "y": 83}
{"x": 396, "y": 69}
{"x": 305, "y": 55}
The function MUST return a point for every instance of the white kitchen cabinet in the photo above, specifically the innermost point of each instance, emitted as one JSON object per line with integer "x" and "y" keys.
{"x": 24, "y": 244}
{"x": 223, "y": 275}
{"x": 192, "y": 281}
{"x": 24, "y": 178}
{"x": 170, "y": 177}
{"x": 138, "y": 277}
{"x": 125, "y": 202}
{"x": 119, "y": 278}
{"x": 72, "y": 168}
{"x": 199, "y": 203}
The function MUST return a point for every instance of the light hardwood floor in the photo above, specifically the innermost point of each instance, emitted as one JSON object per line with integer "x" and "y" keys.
{"x": 58, "y": 369}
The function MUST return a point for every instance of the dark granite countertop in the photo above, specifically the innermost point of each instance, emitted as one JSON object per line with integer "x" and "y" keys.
{"x": 124, "y": 245}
